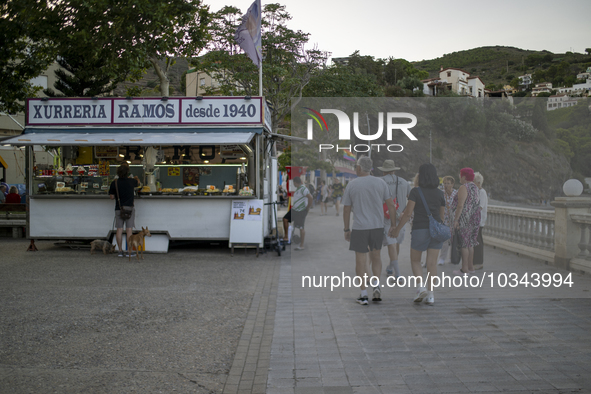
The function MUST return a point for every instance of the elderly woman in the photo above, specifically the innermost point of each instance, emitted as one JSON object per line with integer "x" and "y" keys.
{"x": 467, "y": 219}
{"x": 420, "y": 239}
{"x": 13, "y": 197}
{"x": 479, "y": 249}
{"x": 449, "y": 194}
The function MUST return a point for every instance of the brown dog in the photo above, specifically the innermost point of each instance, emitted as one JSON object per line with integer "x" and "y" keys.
{"x": 99, "y": 244}
{"x": 137, "y": 240}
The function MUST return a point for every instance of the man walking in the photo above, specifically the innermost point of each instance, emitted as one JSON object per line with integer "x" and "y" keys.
{"x": 399, "y": 191}
{"x": 365, "y": 197}
{"x": 302, "y": 201}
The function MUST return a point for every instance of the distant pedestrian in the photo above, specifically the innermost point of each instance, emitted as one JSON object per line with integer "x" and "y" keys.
{"x": 399, "y": 190}
{"x": 421, "y": 240}
{"x": 13, "y": 197}
{"x": 2, "y": 194}
{"x": 337, "y": 193}
{"x": 6, "y": 187}
{"x": 323, "y": 198}
{"x": 479, "y": 249}
{"x": 365, "y": 197}
{"x": 312, "y": 191}
{"x": 301, "y": 203}
{"x": 467, "y": 219}
{"x": 448, "y": 193}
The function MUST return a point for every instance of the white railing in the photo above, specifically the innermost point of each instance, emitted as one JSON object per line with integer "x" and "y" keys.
{"x": 561, "y": 237}
{"x": 530, "y": 227}
{"x": 584, "y": 223}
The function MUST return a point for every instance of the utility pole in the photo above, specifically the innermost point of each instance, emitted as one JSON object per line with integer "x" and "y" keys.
{"x": 430, "y": 146}
{"x": 368, "y": 132}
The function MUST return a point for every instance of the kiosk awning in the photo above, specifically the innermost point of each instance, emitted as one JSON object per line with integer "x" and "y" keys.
{"x": 151, "y": 138}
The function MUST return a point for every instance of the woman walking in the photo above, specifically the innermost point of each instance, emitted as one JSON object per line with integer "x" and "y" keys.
{"x": 467, "y": 219}
{"x": 421, "y": 240}
{"x": 337, "y": 193}
{"x": 479, "y": 249}
{"x": 449, "y": 193}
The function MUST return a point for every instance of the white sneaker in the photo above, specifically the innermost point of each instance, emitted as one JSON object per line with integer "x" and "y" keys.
{"x": 421, "y": 293}
{"x": 430, "y": 300}
{"x": 440, "y": 262}
{"x": 377, "y": 294}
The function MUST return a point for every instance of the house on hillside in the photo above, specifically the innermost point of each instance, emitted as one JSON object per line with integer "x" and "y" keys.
{"x": 583, "y": 89}
{"x": 525, "y": 81}
{"x": 586, "y": 75}
{"x": 560, "y": 101}
{"x": 544, "y": 87}
{"x": 455, "y": 80}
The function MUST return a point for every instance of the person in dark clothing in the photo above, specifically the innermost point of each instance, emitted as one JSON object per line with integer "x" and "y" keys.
{"x": 126, "y": 187}
{"x": 421, "y": 240}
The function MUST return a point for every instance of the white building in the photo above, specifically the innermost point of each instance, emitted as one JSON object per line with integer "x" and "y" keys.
{"x": 525, "y": 81}
{"x": 560, "y": 101}
{"x": 544, "y": 87}
{"x": 455, "y": 80}
{"x": 586, "y": 75}
{"x": 583, "y": 89}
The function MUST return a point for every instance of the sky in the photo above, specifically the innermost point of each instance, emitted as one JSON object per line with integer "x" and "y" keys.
{"x": 428, "y": 29}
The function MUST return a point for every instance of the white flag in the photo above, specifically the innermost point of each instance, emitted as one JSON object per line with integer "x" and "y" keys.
{"x": 248, "y": 34}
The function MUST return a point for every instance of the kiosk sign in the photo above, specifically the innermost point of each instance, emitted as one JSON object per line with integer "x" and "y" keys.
{"x": 145, "y": 111}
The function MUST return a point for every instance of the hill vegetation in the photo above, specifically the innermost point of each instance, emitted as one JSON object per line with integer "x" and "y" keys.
{"x": 498, "y": 66}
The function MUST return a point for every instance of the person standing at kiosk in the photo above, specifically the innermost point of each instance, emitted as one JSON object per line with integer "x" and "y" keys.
{"x": 121, "y": 191}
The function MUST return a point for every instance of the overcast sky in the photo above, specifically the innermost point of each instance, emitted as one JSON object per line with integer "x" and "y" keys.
{"x": 427, "y": 29}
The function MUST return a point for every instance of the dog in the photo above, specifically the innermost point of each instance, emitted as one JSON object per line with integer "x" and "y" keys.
{"x": 99, "y": 244}
{"x": 137, "y": 240}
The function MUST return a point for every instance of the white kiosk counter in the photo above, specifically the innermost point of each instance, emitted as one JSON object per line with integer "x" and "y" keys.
{"x": 193, "y": 156}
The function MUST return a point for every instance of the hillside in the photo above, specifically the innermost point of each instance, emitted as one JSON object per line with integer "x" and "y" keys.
{"x": 499, "y": 65}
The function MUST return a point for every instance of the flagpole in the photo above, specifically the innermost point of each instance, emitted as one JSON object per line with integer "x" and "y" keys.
{"x": 261, "y": 78}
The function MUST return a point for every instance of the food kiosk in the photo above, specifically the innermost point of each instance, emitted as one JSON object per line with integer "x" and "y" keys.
{"x": 199, "y": 160}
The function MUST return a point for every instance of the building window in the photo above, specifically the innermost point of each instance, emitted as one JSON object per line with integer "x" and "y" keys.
{"x": 202, "y": 82}
{"x": 449, "y": 73}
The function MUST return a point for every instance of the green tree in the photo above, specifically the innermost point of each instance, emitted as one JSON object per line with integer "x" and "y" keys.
{"x": 341, "y": 81}
{"x": 412, "y": 85}
{"x": 287, "y": 65}
{"x": 129, "y": 37}
{"x": 81, "y": 77}
{"x": 26, "y": 49}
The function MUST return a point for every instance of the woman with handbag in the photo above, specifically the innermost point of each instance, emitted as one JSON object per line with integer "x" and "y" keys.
{"x": 122, "y": 190}
{"x": 426, "y": 201}
{"x": 467, "y": 219}
{"x": 449, "y": 193}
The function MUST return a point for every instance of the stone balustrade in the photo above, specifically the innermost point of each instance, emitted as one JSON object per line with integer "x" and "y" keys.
{"x": 561, "y": 238}
{"x": 583, "y": 259}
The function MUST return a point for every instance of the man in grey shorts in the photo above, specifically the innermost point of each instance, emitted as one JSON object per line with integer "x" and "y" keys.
{"x": 365, "y": 197}
{"x": 399, "y": 190}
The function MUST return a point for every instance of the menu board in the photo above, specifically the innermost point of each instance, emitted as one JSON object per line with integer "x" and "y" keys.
{"x": 246, "y": 222}
{"x": 106, "y": 152}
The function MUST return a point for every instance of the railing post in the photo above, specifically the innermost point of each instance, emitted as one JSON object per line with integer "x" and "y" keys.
{"x": 567, "y": 234}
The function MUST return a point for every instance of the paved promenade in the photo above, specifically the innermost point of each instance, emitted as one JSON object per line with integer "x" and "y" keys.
{"x": 198, "y": 321}
{"x": 485, "y": 340}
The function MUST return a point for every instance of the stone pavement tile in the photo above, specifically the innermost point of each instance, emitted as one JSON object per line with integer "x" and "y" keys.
{"x": 451, "y": 388}
{"x": 309, "y": 382}
{"x": 475, "y": 387}
{"x": 366, "y": 390}
{"x": 277, "y": 390}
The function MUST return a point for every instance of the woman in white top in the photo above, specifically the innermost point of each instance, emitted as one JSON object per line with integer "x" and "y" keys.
{"x": 479, "y": 249}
